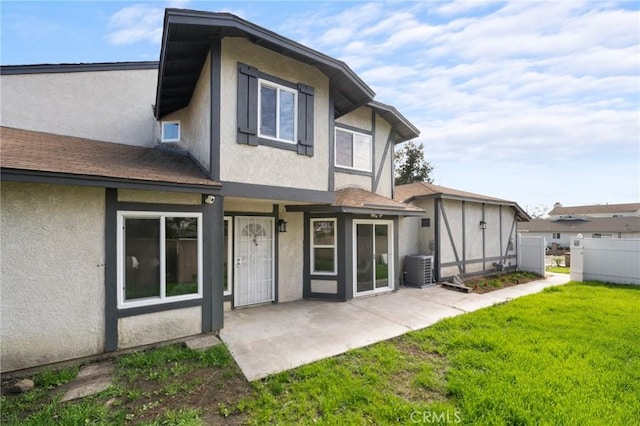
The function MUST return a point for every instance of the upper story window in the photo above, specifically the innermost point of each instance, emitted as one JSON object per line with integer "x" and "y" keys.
{"x": 556, "y": 235}
{"x": 170, "y": 131}
{"x": 353, "y": 150}
{"x": 274, "y": 112}
{"x": 278, "y": 107}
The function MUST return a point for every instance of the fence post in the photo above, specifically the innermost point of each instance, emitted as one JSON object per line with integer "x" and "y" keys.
{"x": 577, "y": 258}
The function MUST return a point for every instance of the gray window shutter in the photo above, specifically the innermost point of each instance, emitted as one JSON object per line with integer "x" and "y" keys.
{"x": 305, "y": 120}
{"x": 247, "y": 104}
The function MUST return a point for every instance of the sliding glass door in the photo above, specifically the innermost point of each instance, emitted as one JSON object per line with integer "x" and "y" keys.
{"x": 373, "y": 256}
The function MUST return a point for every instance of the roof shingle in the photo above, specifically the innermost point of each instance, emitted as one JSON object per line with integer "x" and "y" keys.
{"x": 359, "y": 198}
{"x": 45, "y": 152}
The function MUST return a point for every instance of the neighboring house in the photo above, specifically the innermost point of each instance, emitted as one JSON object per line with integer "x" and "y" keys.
{"x": 597, "y": 210}
{"x": 140, "y": 200}
{"x": 468, "y": 234}
{"x": 561, "y": 231}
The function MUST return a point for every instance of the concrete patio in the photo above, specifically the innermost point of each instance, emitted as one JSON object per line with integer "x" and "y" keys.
{"x": 268, "y": 339}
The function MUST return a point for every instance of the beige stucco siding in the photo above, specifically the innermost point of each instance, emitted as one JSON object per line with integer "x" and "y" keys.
{"x": 195, "y": 119}
{"x": 359, "y": 118}
{"x": 382, "y": 164}
{"x": 113, "y": 106}
{"x": 52, "y": 250}
{"x": 346, "y": 180}
{"x": 263, "y": 164}
{"x": 290, "y": 258}
{"x": 156, "y": 327}
{"x": 139, "y": 196}
{"x": 449, "y": 248}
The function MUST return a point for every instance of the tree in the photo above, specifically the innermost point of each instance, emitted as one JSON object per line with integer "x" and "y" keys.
{"x": 410, "y": 165}
{"x": 537, "y": 212}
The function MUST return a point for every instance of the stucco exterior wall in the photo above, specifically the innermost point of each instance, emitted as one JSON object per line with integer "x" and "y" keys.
{"x": 113, "y": 106}
{"x": 473, "y": 234}
{"x": 360, "y": 118}
{"x": 52, "y": 250}
{"x": 195, "y": 119}
{"x": 160, "y": 326}
{"x": 492, "y": 233}
{"x": 263, "y": 164}
{"x": 290, "y": 259}
{"x": 139, "y": 196}
{"x": 383, "y": 165}
{"x": 345, "y": 180}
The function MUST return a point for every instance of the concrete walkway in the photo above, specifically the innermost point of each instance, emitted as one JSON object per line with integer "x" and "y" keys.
{"x": 268, "y": 339}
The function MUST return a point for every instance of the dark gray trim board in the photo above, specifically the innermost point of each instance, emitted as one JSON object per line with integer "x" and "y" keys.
{"x": 373, "y": 150}
{"x": 378, "y": 175}
{"x": 110, "y": 271}
{"x": 332, "y": 146}
{"x": 351, "y": 210}
{"x": 340, "y": 169}
{"x": 248, "y": 190}
{"x": 29, "y": 176}
{"x": 62, "y": 68}
{"x": 276, "y": 249}
{"x": 141, "y": 310}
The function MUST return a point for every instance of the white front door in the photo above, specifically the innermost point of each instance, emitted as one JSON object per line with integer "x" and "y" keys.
{"x": 372, "y": 256}
{"x": 253, "y": 260}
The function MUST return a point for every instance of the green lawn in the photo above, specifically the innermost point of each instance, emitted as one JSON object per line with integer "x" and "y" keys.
{"x": 567, "y": 356}
{"x": 570, "y": 355}
{"x": 559, "y": 269}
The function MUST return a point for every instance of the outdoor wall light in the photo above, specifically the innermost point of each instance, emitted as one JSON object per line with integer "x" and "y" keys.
{"x": 209, "y": 199}
{"x": 282, "y": 225}
{"x": 483, "y": 224}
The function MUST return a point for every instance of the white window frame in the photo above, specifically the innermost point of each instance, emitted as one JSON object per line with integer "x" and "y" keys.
{"x": 334, "y": 246}
{"x": 163, "y": 138}
{"x": 229, "y": 290}
{"x": 353, "y": 149}
{"x": 163, "y": 298}
{"x": 556, "y": 237}
{"x": 390, "y": 258}
{"x": 279, "y": 88}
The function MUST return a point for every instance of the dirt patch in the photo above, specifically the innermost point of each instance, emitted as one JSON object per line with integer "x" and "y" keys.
{"x": 494, "y": 282}
{"x": 214, "y": 392}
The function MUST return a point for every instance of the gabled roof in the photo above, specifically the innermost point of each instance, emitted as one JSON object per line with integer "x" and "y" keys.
{"x": 360, "y": 201}
{"x": 595, "y": 209}
{"x": 419, "y": 190}
{"x": 404, "y": 129}
{"x": 29, "y": 153}
{"x": 594, "y": 224}
{"x": 186, "y": 41}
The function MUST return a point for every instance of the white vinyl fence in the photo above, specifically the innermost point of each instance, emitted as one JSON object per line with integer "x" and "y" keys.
{"x": 612, "y": 260}
{"x": 531, "y": 254}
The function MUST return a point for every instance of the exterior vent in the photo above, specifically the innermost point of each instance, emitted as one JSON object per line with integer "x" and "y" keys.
{"x": 418, "y": 270}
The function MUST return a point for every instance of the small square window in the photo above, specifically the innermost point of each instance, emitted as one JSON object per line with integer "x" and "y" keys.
{"x": 170, "y": 131}
{"x": 426, "y": 222}
{"x": 278, "y": 112}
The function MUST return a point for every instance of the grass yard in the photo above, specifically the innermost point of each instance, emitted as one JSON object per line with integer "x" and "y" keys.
{"x": 569, "y": 355}
{"x": 559, "y": 269}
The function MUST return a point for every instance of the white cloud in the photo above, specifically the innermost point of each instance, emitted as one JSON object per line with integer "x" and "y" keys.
{"x": 136, "y": 23}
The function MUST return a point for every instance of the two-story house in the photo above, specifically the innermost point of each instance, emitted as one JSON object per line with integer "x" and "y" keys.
{"x": 140, "y": 200}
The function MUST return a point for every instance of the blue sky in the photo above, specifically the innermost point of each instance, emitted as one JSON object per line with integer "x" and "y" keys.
{"x": 531, "y": 101}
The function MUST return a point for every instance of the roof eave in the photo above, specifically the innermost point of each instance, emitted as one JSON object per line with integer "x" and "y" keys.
{"x": 360, "y": 92}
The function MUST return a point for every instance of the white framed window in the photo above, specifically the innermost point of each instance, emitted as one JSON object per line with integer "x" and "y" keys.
{"x": 323, "y": 247}
{"x": 159, "y": 257}
{"x": 556, "y": 235}
{"x": 277, "y": 112}
{"x": 170, "y": 131}
{"x": 353, "y": 150}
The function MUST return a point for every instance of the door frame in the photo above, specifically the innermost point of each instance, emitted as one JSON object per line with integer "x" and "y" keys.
{"x": 390, "y": 256}
{"x": 236, "y": 229}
